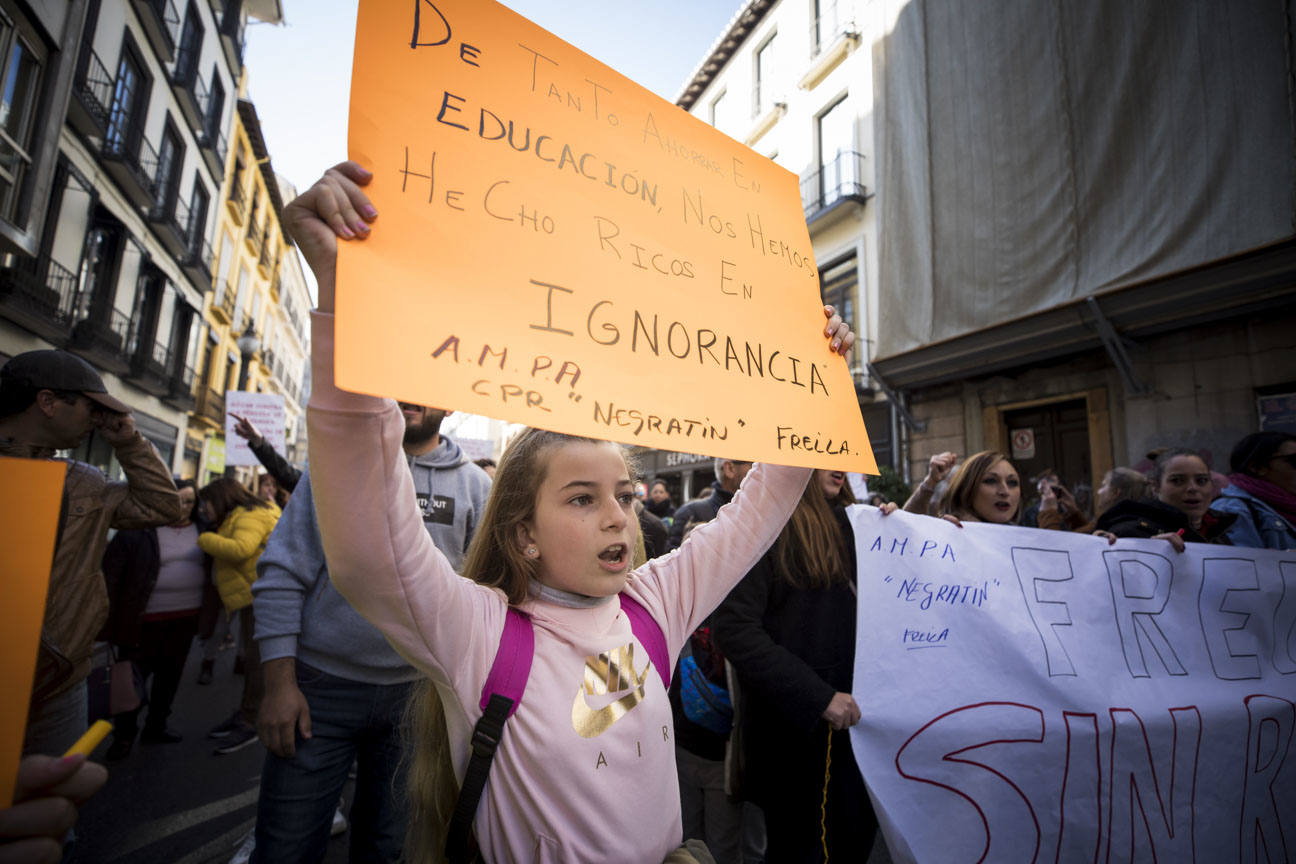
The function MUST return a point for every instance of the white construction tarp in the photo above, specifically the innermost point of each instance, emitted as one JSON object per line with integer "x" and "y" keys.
{"x": 1034, "y": 153}
{"x": 1033, "y": 695}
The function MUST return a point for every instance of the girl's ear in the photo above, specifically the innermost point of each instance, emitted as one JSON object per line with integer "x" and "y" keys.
{"x": 523, "y": 537}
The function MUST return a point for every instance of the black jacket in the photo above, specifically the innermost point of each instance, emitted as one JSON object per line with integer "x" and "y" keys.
{"x": 276, "y": 465}
{"x": 130, "y": 567}
{"x": 1150, "y": 518}
{"x": 793, "y": 649}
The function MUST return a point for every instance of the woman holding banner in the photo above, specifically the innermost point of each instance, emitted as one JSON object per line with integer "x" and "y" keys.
{"x": 985, "y": 488}
{"x": 1181, "y": 511}
{"x": 789, "y": 630}
{"x": 1262, "y": 491}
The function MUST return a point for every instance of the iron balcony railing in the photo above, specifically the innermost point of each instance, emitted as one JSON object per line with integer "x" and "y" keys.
{"x": 841, "y": 178}
{"x": 94, "y": 88}
{"x": 51, "y": 297}
{"x": 127, "y": 143}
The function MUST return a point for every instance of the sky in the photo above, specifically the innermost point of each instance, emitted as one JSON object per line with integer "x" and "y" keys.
{"x": 299, "y": 72}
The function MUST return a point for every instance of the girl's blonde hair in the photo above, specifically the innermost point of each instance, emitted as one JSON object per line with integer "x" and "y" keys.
{"x": 494, "y": 559}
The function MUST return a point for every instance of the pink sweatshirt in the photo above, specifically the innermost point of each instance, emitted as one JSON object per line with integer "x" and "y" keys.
{"x": 585, "y": 771}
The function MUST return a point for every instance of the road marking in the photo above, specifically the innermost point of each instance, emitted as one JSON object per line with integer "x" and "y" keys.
{"x": 159, "y": 829}
{"x": 221, "y": 849}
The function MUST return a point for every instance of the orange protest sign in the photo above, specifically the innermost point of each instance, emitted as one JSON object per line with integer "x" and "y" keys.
{"x": 559, "y": 247}
{"x": 28, "y": 526}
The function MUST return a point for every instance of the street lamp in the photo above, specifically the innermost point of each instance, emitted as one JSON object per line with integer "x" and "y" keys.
{"x": 248, "y": 344}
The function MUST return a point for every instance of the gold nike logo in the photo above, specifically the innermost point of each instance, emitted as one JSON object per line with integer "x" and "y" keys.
{"x": 609, "y": 672}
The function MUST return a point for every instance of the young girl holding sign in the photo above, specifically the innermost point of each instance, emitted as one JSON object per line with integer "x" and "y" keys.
{"x": 585, "y": 768}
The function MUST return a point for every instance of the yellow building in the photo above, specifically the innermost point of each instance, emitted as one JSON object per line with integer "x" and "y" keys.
{"x": 246, "y": 317}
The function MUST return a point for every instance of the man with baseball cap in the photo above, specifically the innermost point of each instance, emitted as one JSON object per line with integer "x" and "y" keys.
{"x": 50, "y": 401}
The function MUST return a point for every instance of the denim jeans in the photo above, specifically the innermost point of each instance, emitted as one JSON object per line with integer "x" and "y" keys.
{"x": 350, "y": 720}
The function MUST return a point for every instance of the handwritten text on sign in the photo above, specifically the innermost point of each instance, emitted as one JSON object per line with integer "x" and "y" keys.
{"x": 266, "y": 412}
{"x": 1042, "y": 696}
{"x": 556, "y": 246}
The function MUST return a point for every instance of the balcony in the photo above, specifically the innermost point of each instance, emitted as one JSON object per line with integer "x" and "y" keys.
{"x": 223, "y": 305}
{"x": 213, "y": 145}
{"x": 197, "y": 263}
{"x": 237, "y": 201}
{"x": 276, "y": 288}
{"x": 171, "y": 224}
{"x": 190, "y": 92}
{"x": 132, "y": 162}
{"x": 100, "y": 334}
{"x": 834, "y": 185}
{"x": 180, "y": 387}
{"x": 255, "y": 235}
{"x": 833, "y": 36}
{"x": 39, "y": 294}
{"x": 212, "y": 406}
{"x": 150, "y": 363}
{"x": 265, "y": 266}
{"x": 88, "y": 110}
{"x": 161, "y": 23}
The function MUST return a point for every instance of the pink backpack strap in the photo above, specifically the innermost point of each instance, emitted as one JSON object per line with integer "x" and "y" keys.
{"x": 649, "y": 633}
{"x": 512, "y": 666}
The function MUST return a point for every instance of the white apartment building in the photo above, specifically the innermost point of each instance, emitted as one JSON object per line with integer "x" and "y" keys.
{"x": 122, "y": 257}
{"x": 792, "y": 79}
{"x": 1070, "y": 249}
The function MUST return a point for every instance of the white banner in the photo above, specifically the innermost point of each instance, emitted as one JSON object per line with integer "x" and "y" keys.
{"x": 267, "y": 413}
{"x": 1034, "y": 695}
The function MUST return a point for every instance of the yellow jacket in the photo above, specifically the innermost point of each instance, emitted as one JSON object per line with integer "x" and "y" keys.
{"x": 235, "y": 549}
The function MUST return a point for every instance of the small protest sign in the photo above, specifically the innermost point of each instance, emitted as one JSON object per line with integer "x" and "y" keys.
{"x": 265, "y": 411}
{"x": 29, "y": 525}
{"x": 559, "y": 247}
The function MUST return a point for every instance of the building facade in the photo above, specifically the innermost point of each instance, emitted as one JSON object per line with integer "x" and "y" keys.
{"x": 1051, "y": 266}
{"x": 258, "y": 298}
{"x": 118, "y": 123}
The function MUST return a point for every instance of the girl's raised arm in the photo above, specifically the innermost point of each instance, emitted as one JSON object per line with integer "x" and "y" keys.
{"x": 379, "y": 554}
{"x": 686, "y": 585}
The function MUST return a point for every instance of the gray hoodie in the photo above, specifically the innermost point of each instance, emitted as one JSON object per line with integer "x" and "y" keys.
{"x": 299, "y": 613}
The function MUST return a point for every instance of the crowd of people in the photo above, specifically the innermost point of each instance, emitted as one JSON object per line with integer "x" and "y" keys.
{"x": 421, "y": 622}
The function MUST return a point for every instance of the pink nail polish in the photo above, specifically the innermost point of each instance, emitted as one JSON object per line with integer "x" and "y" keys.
{"x": 346, "y": 232}
{"x": 369, "y": 211}
{"x": 360, "y": 228}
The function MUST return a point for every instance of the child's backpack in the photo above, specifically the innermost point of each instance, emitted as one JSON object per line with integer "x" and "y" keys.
{"x": 501, "y": 695}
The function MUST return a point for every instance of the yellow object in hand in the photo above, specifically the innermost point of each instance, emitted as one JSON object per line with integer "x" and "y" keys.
{"x": 86, "y": 744}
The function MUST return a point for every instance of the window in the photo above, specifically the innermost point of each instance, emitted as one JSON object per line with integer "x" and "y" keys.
{"x": 170, "y": 157}
{"x": 762, "y": 100}
{"x": 226, "y": 255}
{"x": 19, "y": 91}
{"x": 717, "y": 109}
{"x": 837, "y": 166}
{"x": 130, "y": 98}
{"x": 197, "y": 227}
{"x": 241, "y": 297}
{"x": 837, "y": 286}
{"x": 215, "y": 106}
{"x": 256, "y": 307}
{"x": 186, "y": 65}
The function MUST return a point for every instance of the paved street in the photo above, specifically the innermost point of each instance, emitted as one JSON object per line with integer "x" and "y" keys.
{"x": 179, "y": 803}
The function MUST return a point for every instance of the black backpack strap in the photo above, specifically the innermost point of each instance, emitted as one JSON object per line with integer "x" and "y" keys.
{"x": 485, "y": 740}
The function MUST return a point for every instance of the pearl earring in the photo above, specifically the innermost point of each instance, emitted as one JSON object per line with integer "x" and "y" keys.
{"x": 532, "y": 552}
